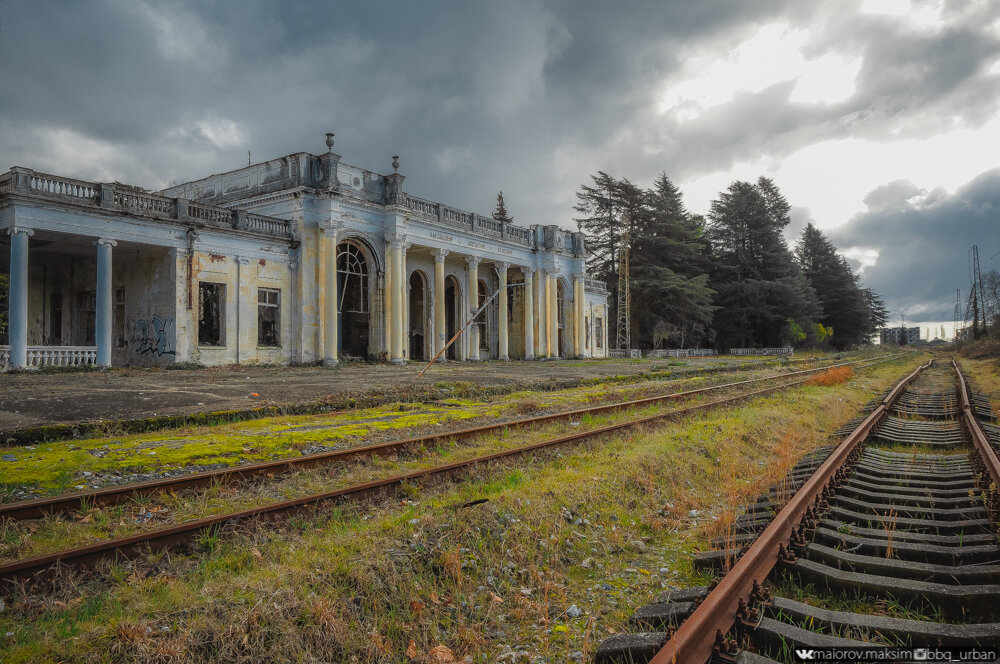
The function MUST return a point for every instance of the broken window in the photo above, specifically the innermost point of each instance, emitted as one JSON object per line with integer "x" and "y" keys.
{"x": 599, "y": 332}
{"x": 211, "y": 314}
{"x": 268, "y": 316}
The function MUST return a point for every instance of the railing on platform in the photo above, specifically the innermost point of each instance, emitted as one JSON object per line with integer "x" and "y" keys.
{"x": 118, "y": 198}
{"x": 468, "y": 221}
{"x": 681, "y": 352}
{"x": 54, "y": 356}
{"x": 787, "y": 350}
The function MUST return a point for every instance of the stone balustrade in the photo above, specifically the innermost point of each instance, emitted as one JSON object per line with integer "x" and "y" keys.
{"x": 468, "y": 221}
{"x": 26, "y": 182}
{"x": 595, "y": 286}
{"x": 681, "y": 352}
{"x": 54, "y": 356}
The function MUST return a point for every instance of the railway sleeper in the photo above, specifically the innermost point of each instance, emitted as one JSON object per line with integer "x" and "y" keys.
{"x": 937, "y": 526}
{"x": 717, "y": 559}
{"x": 902, "y": 480}
{"x": 891, "y": 454}
{"x": 882, "y": 566}
{"x": 635, "y": 648}
{"x": 911, "y": 499}
{"x": 938, "y": 513}
{"x": 899, "y": 630}
{"x": 977, "y": 601}
{"x": 909, "y": 551}
{"x": 885, "y": 472}
{"x": 960, "y": 539}
{"x": 855, "y": 483}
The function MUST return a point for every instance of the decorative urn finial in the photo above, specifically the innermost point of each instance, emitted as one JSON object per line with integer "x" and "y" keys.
{"x": 395, "y": 163}
{"x": 329, "y": 141}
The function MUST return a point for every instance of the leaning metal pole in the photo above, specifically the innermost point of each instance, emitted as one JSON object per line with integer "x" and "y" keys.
{"x": 467, "y": 324}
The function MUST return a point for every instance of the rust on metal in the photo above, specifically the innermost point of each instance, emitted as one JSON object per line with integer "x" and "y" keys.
{"x": 160, "y": 539}
{"x": 698, "y": 637}
{"x": 39, "y": 507}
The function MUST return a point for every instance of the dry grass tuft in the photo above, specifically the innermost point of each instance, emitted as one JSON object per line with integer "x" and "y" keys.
{"x": 832, "y": 376}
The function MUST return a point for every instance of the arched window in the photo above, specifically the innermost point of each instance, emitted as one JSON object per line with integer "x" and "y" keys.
{"x": 352, "y": 278}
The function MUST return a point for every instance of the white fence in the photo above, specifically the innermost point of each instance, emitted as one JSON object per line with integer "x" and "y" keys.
{"x": 787, "y": 350}
{"x": 681, "y": 352}
{"x": 623, "y": 352}
{"x": 54, "y": 356}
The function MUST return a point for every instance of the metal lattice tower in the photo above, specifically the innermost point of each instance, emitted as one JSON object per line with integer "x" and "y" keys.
{"x": 958, "y": 317}
{"x": 624, "y": 297}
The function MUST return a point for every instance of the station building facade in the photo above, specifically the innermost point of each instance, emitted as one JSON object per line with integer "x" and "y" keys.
{"x": 299, "y": 259}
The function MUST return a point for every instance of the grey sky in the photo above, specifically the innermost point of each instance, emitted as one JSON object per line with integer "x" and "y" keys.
{"x": 833, "y": 100}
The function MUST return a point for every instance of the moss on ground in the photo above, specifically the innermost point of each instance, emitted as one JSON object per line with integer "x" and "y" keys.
{"x": 603, "y": 527}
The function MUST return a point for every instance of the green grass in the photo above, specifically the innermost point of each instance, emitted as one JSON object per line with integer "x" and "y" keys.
{"x": 366, "y": 580}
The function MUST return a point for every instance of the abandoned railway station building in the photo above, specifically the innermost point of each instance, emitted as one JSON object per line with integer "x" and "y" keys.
{"x": 300, "y": 259}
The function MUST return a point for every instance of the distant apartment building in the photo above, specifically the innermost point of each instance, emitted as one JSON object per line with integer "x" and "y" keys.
{"x": 893, "y": 335}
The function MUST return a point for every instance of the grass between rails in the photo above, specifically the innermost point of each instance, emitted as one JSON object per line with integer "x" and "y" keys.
{"x": 603, "y": 526}
{"x": 52, "y": 468}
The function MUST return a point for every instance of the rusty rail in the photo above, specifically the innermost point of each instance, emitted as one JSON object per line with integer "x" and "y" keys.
{"x": 695, "y": 641}
{"x": 165, "y": 537}
{"x": 39, "y": 507}
{"x": 979, "y": 439}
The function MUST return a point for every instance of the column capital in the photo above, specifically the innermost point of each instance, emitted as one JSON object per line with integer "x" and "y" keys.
{"x": 439, "y": 255}
{"x": 473, "y": 261}
{"x": 502, "y": 267}
{"x": 20, "y": 230}
{"x": 243, "y": 260}
{"x": 396, "y": 240}
{"x": 105, "y": 242}
{"x": 293, "y": 265}
{"x": 582, "y": 276}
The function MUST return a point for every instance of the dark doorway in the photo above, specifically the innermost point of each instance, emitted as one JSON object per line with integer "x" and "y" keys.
{"x": 86, "y": 317}
{"x": 418, "y": 318}
{"x": 55, "y": 319}
{"x": 450, "y": 315}
{"x": 211, "y": 314}
{"x": 483, "y": 322}
{"x": 353, "y": 282}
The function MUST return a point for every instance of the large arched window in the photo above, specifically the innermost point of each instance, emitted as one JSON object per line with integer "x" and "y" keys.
{"x": 352, "y": 278}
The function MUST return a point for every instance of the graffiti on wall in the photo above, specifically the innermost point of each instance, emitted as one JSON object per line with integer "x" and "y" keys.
{"x": 153, "y": 336}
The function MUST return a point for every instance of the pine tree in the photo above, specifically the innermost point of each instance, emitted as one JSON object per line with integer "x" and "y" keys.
{"x": 500, "y": 213}
{"x": 762, "y": 297}
{"x": 669, "y": 261}
{"x": 601, "y": 221}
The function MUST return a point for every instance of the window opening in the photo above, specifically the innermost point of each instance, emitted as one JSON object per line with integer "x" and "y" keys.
{"x": 268, "y": 317}
{"x": 211, "y": 314}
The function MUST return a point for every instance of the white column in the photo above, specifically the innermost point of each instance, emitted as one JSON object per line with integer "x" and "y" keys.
{"x": 404, "y": 302}
{"x": 330, "y": 299}
{"x": 473, "y": 262}
{"x": 387, "y": 299}
{"x": 529, "y": 318}
{"x": 395, "y": 301}
{"x": 17, "y": 300}
{"x": 502, "y": 323}
{"x": 104, "y": 318}
{"x": 578, "y": 297}
{"x": 440, "y": 321}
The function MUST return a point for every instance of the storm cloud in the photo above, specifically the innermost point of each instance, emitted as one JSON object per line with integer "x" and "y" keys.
{"x": 525, "y": 97}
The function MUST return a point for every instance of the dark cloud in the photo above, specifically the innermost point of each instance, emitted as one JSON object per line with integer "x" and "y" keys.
{"x": 923, "y": 241}
{"x": 528, "y": 97}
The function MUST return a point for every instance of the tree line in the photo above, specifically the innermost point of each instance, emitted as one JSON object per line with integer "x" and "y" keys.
{"x": 728, "y": 280}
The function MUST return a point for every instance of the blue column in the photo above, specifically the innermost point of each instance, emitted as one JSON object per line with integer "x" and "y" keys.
{"x": 17, "y": 301}
{"x": 104, "y": 317}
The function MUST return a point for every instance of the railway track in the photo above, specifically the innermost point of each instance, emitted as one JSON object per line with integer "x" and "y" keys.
{"x": 885, "y": 542}
{"x": 163, "y": 538}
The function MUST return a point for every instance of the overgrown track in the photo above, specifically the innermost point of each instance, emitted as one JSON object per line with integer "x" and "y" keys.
{"x": 39, "y": 507}
{"x": 166, "y": 537}
{"x": 891, "y": 542}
